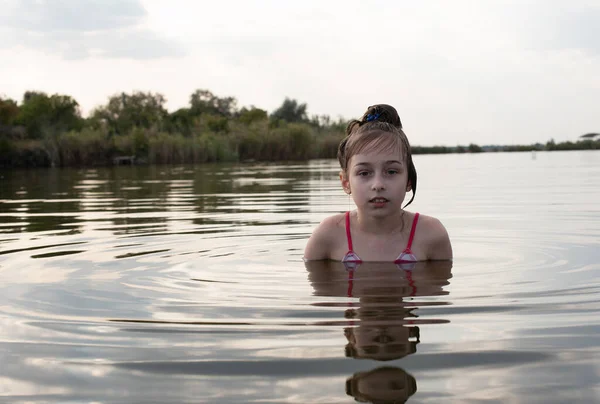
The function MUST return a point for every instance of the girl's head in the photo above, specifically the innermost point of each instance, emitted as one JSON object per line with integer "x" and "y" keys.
{"x": 379, "y": 129}
{"x": 382, "y": 385}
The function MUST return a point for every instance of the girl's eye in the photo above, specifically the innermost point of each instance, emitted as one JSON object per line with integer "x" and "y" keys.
{"x": 391, "y": 172}
{"x": 363, "y": 173}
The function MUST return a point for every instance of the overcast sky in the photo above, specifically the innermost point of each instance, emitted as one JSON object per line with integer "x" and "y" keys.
{"x": 487, "y": 72}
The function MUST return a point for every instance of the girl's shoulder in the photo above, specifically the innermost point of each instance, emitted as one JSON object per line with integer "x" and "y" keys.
{"x": 325, "y": 237}
{"x": 434, "y": 237}
{"x": 331, "y": 227}
{"x": 429, "y": 223}
{"x": 334, "y": 222}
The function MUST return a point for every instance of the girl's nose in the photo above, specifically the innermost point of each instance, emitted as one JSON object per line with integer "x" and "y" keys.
{"x": 378, "y": 184}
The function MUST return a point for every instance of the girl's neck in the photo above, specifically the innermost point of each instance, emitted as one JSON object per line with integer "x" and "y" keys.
{"x": 381, "y": 225}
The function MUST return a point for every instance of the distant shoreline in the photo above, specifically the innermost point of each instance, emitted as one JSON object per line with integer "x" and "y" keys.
{"x": 92, "y": 150}
{"x": 49, "y": 131}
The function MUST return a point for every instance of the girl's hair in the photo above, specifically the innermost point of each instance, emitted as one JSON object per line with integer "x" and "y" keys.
{"x": 379, "y": 128}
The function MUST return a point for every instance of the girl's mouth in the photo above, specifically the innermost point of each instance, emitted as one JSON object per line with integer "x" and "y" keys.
{"x": 378, "y": 202}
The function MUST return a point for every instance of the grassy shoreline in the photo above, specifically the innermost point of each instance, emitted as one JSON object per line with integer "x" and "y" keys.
{"x": 256, "y": 142}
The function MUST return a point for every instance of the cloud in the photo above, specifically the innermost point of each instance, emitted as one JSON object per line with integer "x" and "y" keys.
{"x": 558, "y": 26}
{"x": 73, "y": 15}
{"x": 579, "y": 29}
{"x": 78, "y": 29}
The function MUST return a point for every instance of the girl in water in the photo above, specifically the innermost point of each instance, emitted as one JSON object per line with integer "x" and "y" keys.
{"x": 377, "y": 171}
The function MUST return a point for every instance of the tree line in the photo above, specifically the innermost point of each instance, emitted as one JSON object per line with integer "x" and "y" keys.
{"x": 49, "y": 130}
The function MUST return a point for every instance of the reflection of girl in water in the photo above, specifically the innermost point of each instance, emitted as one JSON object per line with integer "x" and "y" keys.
{"x": 384, "y": 330}
{"x": 381, "y": 385}
{"x": 381, "y": 343}
{"x": 383, "y": 323}
{"x": 375, "y": 279}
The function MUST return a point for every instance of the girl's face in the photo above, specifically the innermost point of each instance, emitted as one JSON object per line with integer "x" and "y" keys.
{"x": 377, "y": 181}
{"x": 381, "y": 342}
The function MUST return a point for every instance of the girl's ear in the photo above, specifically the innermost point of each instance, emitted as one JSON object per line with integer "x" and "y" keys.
{"x": 345, "y": 183}
{"x": 408, "y": 187}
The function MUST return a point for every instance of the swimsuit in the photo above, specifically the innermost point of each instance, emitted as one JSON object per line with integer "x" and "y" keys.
{"x": 406, "y": 261}
{"x": 405, "y": 256}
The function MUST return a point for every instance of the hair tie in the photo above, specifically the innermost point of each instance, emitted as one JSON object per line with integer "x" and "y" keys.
{"x": 372, "y": 117}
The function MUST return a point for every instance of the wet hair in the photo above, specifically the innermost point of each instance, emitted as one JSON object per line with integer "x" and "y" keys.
{"x": 402, "y": 387}
{"x": 379, "y": 128}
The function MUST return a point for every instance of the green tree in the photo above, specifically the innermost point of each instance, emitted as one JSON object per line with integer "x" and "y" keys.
{"x": 41, "y": 114}
{"x": 215, "y": 123}
{"x": 180, "y": 121}
{"x": 205, "y": 102}
{"x": 247, "y": 116}
{"x": 321, "y": 121}
{"x": 290, "y": 111}
{"x": 473, "y": 148}
{"x": 8, "y": 114}
{"x": 8, "y": 111}
{"x": 127, "y": 111}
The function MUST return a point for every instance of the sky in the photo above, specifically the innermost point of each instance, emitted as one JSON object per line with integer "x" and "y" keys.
{"x": 459, "y": 72}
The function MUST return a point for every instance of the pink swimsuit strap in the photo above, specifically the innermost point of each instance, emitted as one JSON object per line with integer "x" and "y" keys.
{"x": 348, "y": 235}
{"x": 350, "y": 256}
{"x": 405, "y": 256}
{"x": 412, "y": 233}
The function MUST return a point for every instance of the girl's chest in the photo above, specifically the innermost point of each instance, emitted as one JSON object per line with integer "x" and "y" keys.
{"x": 377, "y": 248}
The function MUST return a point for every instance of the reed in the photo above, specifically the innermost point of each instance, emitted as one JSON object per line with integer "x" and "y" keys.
{"x": 258, "y": 140}
{"x": 24, "y": 153}
{"x": 88, "y": 147}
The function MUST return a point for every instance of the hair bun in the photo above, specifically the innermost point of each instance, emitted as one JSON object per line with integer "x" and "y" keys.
{"x": 382, "y": 113}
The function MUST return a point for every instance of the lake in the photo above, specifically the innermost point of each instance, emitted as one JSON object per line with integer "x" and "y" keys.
{"x": 186, "y": 284}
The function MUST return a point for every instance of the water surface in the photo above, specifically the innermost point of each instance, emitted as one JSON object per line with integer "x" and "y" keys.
{"x": 186, "y": 284}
